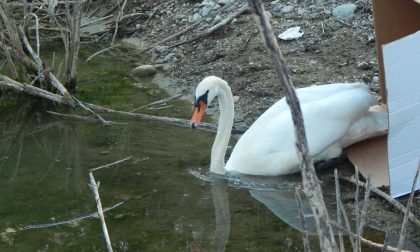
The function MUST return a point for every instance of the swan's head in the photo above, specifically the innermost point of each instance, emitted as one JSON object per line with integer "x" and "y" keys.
{"x": 205, "y": 92}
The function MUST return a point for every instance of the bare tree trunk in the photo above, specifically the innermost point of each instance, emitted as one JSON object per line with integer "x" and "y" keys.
{"x": 73, "y": 22}
{"x": 309, "y": 179}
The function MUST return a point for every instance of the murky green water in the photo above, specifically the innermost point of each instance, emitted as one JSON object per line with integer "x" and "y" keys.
{"x": 44, "y": 166}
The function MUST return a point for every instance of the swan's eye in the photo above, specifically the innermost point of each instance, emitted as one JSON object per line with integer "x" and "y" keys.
{"x": 202, "y": 98}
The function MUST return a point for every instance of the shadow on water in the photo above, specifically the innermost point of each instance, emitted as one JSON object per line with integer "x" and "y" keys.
{"x": 44, "y": 166}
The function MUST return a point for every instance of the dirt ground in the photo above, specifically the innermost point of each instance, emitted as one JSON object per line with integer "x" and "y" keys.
{"x": 330, "y": 51}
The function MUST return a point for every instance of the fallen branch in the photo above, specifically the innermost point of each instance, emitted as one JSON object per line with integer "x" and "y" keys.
{"x": 94, "y": 188}
{"x": 215, "y": 27}
{"x": 82, "y": 105}
{"x": 96, "y": 21}
{"x": 119, "y": 18}
{"x": 366, "y": 241}
{"x": 388, "y": 198}
{"x": 59, "y": 223}
{"x": 407, "y": 211}
{"x": 158, "y": 102}
{"x": 101, "y": 51}
{"x": 80, "y": 118}
{"x": 111, "y": 164}
{"x": 305, "y": 237}
{"x": 172, "y": 36}
{"x": 338, "y": 202}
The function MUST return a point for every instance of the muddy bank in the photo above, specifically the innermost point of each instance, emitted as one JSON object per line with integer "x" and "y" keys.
{"x": 332, "y": 49}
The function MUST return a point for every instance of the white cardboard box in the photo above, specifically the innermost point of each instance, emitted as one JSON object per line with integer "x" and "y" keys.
{"x": 402, "y": 74}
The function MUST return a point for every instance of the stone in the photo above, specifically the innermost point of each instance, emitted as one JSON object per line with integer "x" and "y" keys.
{"x": 344, "y": 11}
{"x": 144, "y": 71}
{"x": 223, "y": 2}
{"x": 364, "y": 66}
{"x": 287, "y": 9}
{"x": 169, "y": 57}
{"x": 205, "y": 11}
{"x": 375, "y": 79}
{"x": 196, "y": 18}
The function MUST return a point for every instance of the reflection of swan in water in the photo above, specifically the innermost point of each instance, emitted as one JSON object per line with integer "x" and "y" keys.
{"x": 276, "y": 193}
{"x": 222, "y": 213}
{"x": 283, "y": 205}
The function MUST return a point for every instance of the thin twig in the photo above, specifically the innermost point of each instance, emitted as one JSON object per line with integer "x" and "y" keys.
{"x": 111, "y": 164}
{"x": 388, "y": 198}
{"x": 305, "y": 237}
{"x": 347, "y": 222}
{"x": 76, "y": 219}
{"x": 407, "y": 211}
{"x": 101, "y": 51}
{"x": 94, "y": 188}
{"x": 357, "y": 211}
{"x": 365, "y": 205}
{"x": 215, "y": 27}
{"x": 158, "y": 102}
{"x": 82, "y": 105}
{"x": 172, "y": 36}
{"x": 338, "y": 202}
{"x": 364, "y": 240}
{"x": 120, "y": 14}
{"x": 78, "y": 117}
{"x": 310, "y": 181}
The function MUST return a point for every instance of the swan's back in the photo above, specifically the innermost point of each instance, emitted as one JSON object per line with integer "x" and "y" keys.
{"x": 268, "y": 147}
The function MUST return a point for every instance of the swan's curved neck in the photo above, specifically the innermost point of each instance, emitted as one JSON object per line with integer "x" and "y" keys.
{"x": 218, "y": 151}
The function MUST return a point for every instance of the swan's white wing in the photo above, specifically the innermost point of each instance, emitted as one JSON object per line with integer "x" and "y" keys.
{"x": 268, "y": 147}
{"x": 311, "y": 94}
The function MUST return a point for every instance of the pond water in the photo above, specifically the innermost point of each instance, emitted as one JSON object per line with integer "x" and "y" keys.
{"x": 159, "y": 205}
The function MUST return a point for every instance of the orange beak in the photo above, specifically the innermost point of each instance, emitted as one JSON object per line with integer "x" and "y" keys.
{"x": 198, "y": 114}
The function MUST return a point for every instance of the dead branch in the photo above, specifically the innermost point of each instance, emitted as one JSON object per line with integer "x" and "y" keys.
{"x": 364, "y": 240}
{"x": 96, "y": 21}
{"x": 82, "y": 105}
{"x": 72, "y": 220}
{"x": 119, "y": 18}
{"x": 388, "y": 198}
{"x": 305, "y": 237}
{"x": 215, "y": 27}
{"x": 407, "y": 211}
{"x": 356, "y": 209}
{"x": 101, "y": 51}
{"x": 60, "y": 87}
{"x": 72, "y": 44}
{"x": 309, "y": 179}
{"x": 76, "y": 117}
{"x": 94, "y": 188}
{"x": 32, "y": 90}
{"x": 164, "y": 100}
{"x": 338, "y": 202}
{"x": 172, "y": 36}
{"x": 111, "y": 164}
{"x": 182, "y": 31}
{"x": 368, "y": 186}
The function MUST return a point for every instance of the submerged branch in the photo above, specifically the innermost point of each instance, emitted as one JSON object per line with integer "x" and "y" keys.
{"x": 111, "y": 164}
{"x": 69, "y": 221}
{"x": 94, "y": 188}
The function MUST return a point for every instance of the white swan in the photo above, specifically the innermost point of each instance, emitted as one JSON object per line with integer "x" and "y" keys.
{"x": 335, "y": 116}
